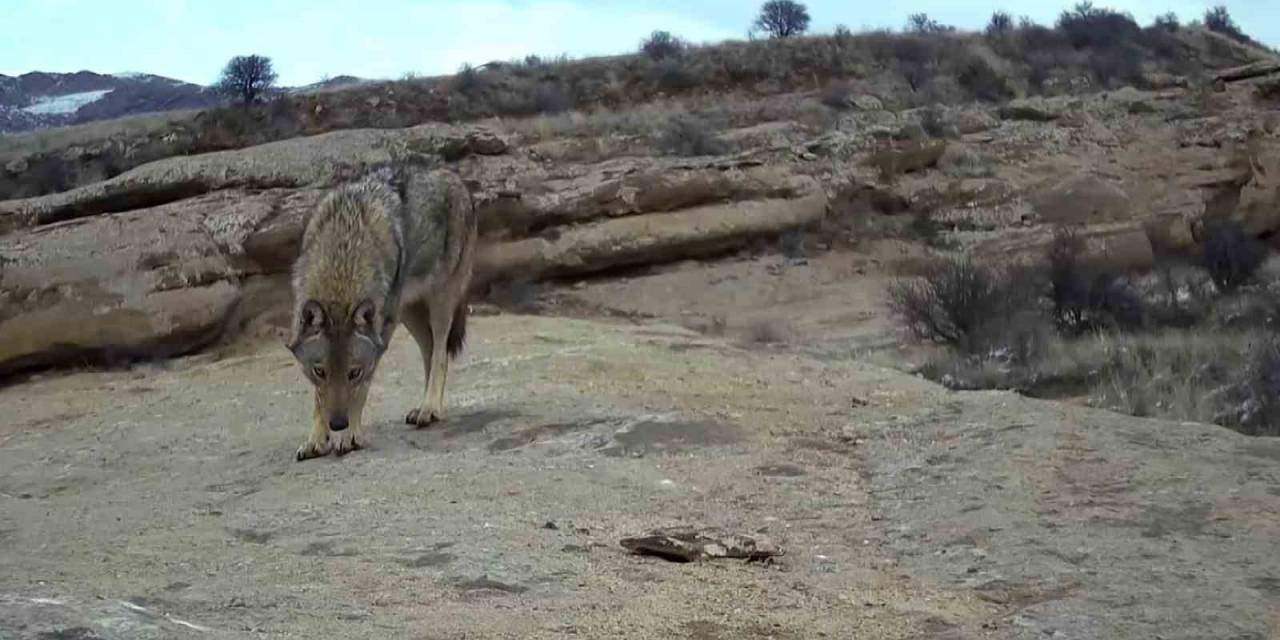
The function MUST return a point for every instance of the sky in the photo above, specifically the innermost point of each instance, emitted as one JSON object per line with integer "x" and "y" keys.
{"x": 310, "y": 40}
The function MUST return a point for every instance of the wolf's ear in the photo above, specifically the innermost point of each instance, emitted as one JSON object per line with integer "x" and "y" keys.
{"x": 311, "y": 318}
{"x": 365, "y": 320}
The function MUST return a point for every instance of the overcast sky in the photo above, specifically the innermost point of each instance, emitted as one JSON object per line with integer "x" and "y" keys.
{"x": 308, "y": 40}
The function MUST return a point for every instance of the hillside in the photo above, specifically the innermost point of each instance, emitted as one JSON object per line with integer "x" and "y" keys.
{"x": 41, "y": 100}
{"x": 900, "y": 70}
{"x": 688, "y": 316}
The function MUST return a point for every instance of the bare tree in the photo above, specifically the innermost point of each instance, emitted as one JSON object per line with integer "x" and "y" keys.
{"x": 783, "y": 18}
{"x": 246, "y": 79}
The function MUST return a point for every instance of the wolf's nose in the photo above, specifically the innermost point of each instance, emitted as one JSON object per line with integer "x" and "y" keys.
{"x": 337, "y": 424}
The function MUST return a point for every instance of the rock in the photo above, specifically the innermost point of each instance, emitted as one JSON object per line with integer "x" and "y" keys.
{"x": 162, "y": 324}
{"x": 16, "y": 166}
{"x": 684, "y": 545}
{"x": 611, "y": 192}
{"x": 867, "y": 103}
{"x": 650, "y": 238}
{"x": 1036, "y": 109}
{"x": 148, "y": 283}
{"x": 315, "y": 160}
{"x": 1079, "y": 199}
{"x": 969, "y": 121}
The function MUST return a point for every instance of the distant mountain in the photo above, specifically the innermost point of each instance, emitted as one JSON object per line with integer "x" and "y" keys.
{"x": 38, "y": 100}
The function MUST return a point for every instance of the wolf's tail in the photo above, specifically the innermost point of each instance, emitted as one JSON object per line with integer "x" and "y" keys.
{"x": 458, "y": 330}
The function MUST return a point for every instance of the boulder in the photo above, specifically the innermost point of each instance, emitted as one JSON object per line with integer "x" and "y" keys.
{"x": 867, "y": 103}
{"x": 1082, "y": 198}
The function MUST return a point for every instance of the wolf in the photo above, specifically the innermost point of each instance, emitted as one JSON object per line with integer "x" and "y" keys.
{"x": 395, "y": 246}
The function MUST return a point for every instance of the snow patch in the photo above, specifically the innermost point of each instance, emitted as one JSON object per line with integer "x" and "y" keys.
{"x": 69, "y": 103}
{"x": 129, "y": 75}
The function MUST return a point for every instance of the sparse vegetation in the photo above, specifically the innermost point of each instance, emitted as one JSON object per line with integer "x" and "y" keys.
{"x": 921, "y": 23}
{"x": 1168, "y": 345}
{"x": 247, "y": 79}
{"x": 662, "y": 45}
{"x": 1219, "y": 20}
{"x": 1000, "y": 24}
{"x": 1168, "y": 22}
{"x": 933, "y": 67}
{"x": 958, "y": 302}
{"x": 783, "y": 18}
{"x": 689, "y": 135}
{"x": 1230, "y": 255}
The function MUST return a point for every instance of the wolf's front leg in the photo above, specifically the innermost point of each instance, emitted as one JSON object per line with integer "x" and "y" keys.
{"x": 353, "y": 437}
{"x": 317, "y": 443}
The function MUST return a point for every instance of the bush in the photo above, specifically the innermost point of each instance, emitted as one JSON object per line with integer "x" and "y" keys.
{"x": 1218, "y": 19}
{"x": 661, "y": 45}
{"x": 983, "y": 82}
{"x": 686, "y": 135}
{"x": 783, "y": 18}
{"x": 1087, "y": 296}
{"x": 1001, "y": 24}
{"x": 921, "y": 23}
{"x": 1231, "y": 256}
{"x": 672, "y": 75}
{"x": 960, "y": 303}
{"x": 1167, "y": 22}
{"x": 1089, "y": 27}
{"x": 1255, "y": 398}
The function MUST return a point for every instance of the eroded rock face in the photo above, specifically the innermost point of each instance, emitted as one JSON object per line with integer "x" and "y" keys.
{"x": 158, "y": 261}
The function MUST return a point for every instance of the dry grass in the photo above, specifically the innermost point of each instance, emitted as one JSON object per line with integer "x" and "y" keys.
{"x": 13, "y": 145}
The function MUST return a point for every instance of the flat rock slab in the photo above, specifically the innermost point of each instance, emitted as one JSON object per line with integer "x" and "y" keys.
{"x": 913, "y": 512}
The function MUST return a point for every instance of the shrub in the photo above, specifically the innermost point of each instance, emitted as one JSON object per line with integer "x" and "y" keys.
{"x": 783, "y": 18}
{"x": 1255, "y": 397}
{"x": 921, "y": 23}
{"x": 1218, "y": 19}
{"x": 672, "y": 75}
{"x": 1001, "y": 24}
{"x": 983, "y": 82}
{"x": 959, "y": 302}
{"x": 1087, "y": 296}
{"x": 1231, "y": 256}
{"x": 686, "y": 135}
{"x": 1089, "y": 27}
{"x": 1167, "y": 22}
{"x": 661, "y": 45}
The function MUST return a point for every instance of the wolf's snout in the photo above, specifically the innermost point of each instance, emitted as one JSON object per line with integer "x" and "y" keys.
{"x": 337, "y": 423}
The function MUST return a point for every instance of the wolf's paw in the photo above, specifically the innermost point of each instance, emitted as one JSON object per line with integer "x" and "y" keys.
{"x": 346, "y": 442}
{"x": 313, "y": 449}
{"x": 422, "y": 417}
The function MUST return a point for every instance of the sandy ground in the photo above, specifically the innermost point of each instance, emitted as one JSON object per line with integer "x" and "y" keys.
{"x": 165, "y": 502}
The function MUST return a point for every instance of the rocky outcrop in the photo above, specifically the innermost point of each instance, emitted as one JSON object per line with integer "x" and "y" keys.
{"x": 166, "y": 258}
{"x": 649, "y": 238}
{"x": 315, "y": 160}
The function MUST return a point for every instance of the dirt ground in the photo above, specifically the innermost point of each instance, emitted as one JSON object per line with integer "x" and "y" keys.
{"x": 164, "y": 502}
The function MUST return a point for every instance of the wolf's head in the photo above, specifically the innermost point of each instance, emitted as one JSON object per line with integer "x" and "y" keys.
{"x": 338, "y": 349}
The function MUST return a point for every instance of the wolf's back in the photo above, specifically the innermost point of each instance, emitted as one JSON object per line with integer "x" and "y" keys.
{"x": 439, "y": 221}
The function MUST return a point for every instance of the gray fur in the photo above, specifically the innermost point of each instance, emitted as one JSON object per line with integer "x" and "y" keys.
{"x": 395, "y": 246}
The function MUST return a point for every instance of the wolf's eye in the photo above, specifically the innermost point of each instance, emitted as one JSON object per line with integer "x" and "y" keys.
{"x": 318, "y": 372}
{"x": 355, "y": 374}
